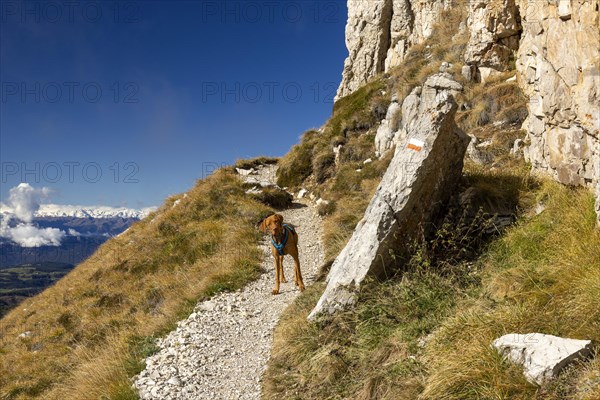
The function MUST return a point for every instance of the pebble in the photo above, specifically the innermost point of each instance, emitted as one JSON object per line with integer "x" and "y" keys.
{"x": 174, "y": 381}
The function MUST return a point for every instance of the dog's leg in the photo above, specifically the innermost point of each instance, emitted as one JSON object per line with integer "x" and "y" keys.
{"x": 277, "y": 276}
{"x": 297, "y": 272}
{"x": 281, "y": 274}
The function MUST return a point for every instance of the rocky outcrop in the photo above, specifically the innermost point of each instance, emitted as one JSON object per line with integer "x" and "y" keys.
{"x": 554, "y": 45}
{"x": 542, "y": 356}
{"x": 380, "y": 32}
{"x": 390, "y": 131}
{"x": 558, "y": 65}
{"x": 422, "y": 175}
{"x": 494, "y": 28}
{"x": 387, "y": 129}
{"x": 559, "y": 70}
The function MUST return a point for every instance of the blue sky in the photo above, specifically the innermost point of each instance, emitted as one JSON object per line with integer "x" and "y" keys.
{"x": 123, "y": 103}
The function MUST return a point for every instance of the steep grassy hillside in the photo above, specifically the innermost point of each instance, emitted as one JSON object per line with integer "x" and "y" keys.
{"x": 84, "y": 337}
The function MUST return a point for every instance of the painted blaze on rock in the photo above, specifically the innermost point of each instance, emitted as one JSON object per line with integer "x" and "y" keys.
{"x": 426, "y": 167}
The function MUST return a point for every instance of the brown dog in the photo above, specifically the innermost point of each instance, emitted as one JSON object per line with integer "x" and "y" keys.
{"x": 284, "y": 240}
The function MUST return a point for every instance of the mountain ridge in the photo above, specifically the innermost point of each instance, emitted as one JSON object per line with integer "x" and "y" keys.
{"x": 78, "y": 211}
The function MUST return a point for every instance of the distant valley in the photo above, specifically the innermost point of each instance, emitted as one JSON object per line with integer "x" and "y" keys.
{"x": 27, "y": 270}
{"x": 20, "y": 282}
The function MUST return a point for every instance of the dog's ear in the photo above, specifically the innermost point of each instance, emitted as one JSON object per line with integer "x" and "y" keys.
{"x": 263, "y": 226}
{"x": 278, "y": 218}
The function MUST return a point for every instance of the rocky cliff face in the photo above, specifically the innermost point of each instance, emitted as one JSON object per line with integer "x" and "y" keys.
{"x": 557, "y": 59}
{"x": 554, "y": 46}
{"x": 380, "y": 32}
{"x": 495, "y": 30}
{"x": 558, "y": 63}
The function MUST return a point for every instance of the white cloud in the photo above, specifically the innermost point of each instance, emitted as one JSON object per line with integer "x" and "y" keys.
{"x": 73, "y": 232}
{"x": 24, "y": 200}
{"x": 27, "y": 235}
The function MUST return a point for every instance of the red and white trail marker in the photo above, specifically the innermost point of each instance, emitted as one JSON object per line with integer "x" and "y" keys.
{"x": 415, "y": 144}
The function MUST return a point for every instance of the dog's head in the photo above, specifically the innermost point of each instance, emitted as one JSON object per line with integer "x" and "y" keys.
{"x": 273, "y": 225}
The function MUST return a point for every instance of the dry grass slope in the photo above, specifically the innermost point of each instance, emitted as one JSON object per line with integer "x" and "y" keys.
{"x": 426, "y": 332}
{"x": 88, "y": 334}
{"x": 542, "y": 276}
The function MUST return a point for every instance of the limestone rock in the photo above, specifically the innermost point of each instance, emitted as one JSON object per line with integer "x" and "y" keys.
{"x": 444, "y": 80}
{"x": 367, "y": 40}
{"x": 386, "y": 131}
{"x": 174, "y": 381}
{"x": 558, "y": 71}
{"x": 494, "y": 34}
{"x": 253, "y": 190}
{"x": 379, "y": 33}
{"x": 517, "y": 148}
{"x": 320, "y": 201}
{"x": 468, "y": 72}
{"x": 422, "y": 175}
{"x": 542, "y": 356}
{"x": 302, "y": 193}
{"x": 401, "y": 26}
{"x": 564, "y": 9}
{"x": 476, "y": 151}
{"x": 245, "y": 172}
{"x": 485, "y": 74}
{"x": 446, "y": 66}
{"x": 337, "y": 151}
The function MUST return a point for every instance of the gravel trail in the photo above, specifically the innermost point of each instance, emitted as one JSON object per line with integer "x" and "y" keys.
{"x": 221, "y": 350}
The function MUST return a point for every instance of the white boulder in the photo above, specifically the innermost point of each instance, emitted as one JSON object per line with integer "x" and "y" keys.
{"x": 542, "y": 356}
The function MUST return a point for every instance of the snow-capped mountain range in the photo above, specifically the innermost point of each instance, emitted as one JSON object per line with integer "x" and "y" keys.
{"x": 59, "y": 233}
{"x": 59, "y": 210}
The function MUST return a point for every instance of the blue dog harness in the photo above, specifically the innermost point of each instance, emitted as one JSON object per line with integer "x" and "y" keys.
{"x": 279, "y": 247}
